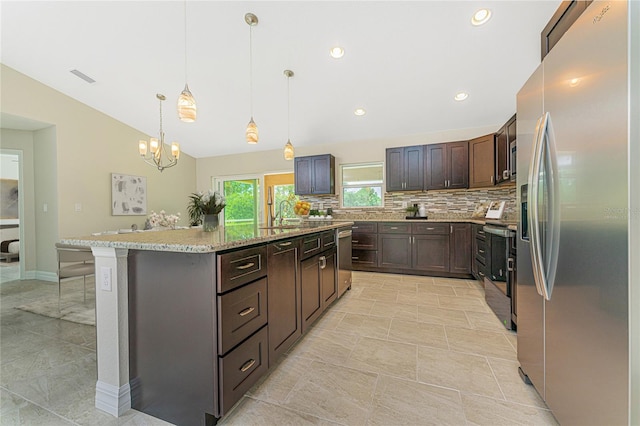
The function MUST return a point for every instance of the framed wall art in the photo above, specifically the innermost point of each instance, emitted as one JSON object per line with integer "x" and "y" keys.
{"x": 128, "y": 195}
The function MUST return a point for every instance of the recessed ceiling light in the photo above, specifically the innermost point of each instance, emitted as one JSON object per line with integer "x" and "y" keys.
{"x": 359, "y": 112}
{"x": 481, "y": 16}
{"x": 336, "y": 52}
{"x": 461, "y": 96}
{"x": 574, "y": 82}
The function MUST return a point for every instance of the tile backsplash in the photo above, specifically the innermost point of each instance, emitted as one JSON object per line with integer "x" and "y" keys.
{"x": 459, "y": 203}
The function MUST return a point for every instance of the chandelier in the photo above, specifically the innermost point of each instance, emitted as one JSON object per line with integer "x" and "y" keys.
{"x": 158, "y": 157}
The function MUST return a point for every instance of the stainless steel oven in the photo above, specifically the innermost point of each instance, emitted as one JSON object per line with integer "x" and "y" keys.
{"x": 344, "y": 260}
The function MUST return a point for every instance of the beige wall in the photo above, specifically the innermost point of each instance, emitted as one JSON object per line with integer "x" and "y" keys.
{"x": 89, "y": 146}
{"x": 347, "y": 152}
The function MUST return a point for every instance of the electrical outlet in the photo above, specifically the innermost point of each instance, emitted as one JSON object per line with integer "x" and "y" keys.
{"x": 404, "y": 204}
{"x": 45, "y": 207}
{"x": 105, "y": 278}
{"x": 78, "y": 207}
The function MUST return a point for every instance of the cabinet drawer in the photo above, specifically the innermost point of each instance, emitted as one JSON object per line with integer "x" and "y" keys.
{"x": 240, "y": 267}
{"x": 240, "y": 313}
{"x": 371, "y": 227}
{"x": 328, "y": 239}
{"x": 364, "y": 257}
{"x": 311, "y": 245}
{"x": 479, "y": 232}
{"x": 481, "y": 251}
{"x": 241, "y": 368}
{"x": 285, "y": 245}
{"x": 364, "y": 241}
{"x": 440, "y": 228}
{"x": 394, "y": 228}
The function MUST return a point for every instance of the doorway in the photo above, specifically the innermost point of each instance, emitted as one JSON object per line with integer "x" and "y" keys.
{"x": 242, "y": 195}
{"x": 282, "y": 188}
{"x": 12, "y": 206}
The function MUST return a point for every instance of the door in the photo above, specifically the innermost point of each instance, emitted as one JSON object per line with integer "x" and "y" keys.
{"x": 431, "y": 252}
{"x": 435, "y": 170}
{"x": 394, "y": 166}
{"x": 311, "y": 291}
{"x": 303, "y": 168}
{"x": 395, "y": 251}
{"x": 460, "y": 240}
{"x": 458, "y": 165}
{"x": 586, "y": 324}
{"x": 328, "y": 272}
{"x": 413, "y": 168}
{"x": 243, "y": 197}
{"x": 481, "y": 161}
{"x": 530, "y": 303}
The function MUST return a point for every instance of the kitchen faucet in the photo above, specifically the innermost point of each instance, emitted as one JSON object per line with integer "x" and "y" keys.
{"x": 279, "y": 213}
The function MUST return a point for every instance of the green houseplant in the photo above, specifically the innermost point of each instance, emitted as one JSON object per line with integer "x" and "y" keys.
{"x": 204, "y": 204}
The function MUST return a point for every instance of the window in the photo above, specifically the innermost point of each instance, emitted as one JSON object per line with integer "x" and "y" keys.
{"x": 362, "y": 185}
{"x": 242, "y": 195}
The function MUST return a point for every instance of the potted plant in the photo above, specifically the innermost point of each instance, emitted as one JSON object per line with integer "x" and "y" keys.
{"x": 204, "y": 208}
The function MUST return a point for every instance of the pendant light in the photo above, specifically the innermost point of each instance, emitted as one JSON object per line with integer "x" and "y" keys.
{"x": 252, "y": 128}
{"x": 158, "y": 157}
{"x": 186, "y": 102}
{"x": 288, "y": 148}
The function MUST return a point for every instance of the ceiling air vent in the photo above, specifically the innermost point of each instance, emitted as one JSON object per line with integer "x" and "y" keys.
{"x": 82, "y": 76}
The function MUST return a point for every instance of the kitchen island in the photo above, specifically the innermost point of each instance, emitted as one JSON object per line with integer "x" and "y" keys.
{"x": 183, "y": 322}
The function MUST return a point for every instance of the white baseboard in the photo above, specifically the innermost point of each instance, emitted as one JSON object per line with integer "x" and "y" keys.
{"x": 113, "y": 400}
{"x": 41, "y": 275}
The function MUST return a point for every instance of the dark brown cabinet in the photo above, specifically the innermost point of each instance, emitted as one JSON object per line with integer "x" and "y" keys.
{"x": 431, "y": 247}
{"x": 395, "y": 251}
{"x": 447, "y": 165}
{"x": 460, "y": 254}
{"x": 504, "y": 137}
{"x": 315, "y": 175}
{"x": 285, "y": 322}
{"x": 405, "y": 168}
{"x": 364, "y": 246}
{"x": 318, "y": 281}
{"x": 482, "y": 161}
{"x": 479, "y": 252}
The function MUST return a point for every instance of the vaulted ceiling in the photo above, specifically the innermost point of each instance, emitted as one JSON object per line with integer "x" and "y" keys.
{"x": 403, "y": 63}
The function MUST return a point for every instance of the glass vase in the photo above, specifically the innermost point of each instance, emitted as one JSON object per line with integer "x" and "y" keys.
{"x": 210, "y": 222}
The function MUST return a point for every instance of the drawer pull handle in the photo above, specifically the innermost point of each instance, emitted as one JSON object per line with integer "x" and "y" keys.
{"x": 247, "y": 311}
{"x": 288, "y": 243}
{"x": 354, "y": 258}
{"x": 394, "y": 227}
{"x": 247, "y": 365}
{"x": 354, "y": 227}
{"x": 430, "y": 229}
{"x": 246, "y": 266}
{"x": 481, "y": 232}
{"x": 480, "y": 251}
{"x": 355, "y": 241}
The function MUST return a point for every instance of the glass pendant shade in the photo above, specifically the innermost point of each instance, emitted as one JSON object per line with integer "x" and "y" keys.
{"x": 288, "y": 151}
{"x": 186, "y": 106}
{"x": 252, "y": 132}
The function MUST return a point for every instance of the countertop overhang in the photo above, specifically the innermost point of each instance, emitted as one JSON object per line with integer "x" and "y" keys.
{"x": 195, "y": 240}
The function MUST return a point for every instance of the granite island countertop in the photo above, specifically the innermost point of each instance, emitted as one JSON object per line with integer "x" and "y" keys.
{"x": 194, "y": 240}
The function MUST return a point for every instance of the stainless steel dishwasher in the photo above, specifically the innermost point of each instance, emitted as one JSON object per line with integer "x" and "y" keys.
{"x": 344, "y": 260}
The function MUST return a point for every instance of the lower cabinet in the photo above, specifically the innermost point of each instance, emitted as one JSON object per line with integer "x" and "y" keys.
{"x": 319, "y": 286}
{"x": 285, "y": 320}
{"x": 440, "y": 248}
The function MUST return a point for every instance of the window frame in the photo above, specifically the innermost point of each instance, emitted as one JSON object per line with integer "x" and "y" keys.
{"x": 381, "y": 185}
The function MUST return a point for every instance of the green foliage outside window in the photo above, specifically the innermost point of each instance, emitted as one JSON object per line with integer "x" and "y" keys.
{"x": 362, "y": 197}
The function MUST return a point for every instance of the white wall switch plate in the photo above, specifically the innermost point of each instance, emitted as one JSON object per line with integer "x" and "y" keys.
{"x": 78, "y": 207}
{"x": 105, "y": 278}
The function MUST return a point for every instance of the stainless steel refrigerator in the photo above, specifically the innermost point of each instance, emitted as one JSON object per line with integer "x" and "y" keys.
{"x": 573, "y": 243}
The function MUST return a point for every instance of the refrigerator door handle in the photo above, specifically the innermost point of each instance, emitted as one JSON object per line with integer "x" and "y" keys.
{"x": 552, "y": 245}
{"x": 544, "y": 267}
{"x": 532, "y": 212}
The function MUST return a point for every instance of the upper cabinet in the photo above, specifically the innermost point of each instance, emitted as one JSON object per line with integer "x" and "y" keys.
{"x": 504, "y": 138}
{"x": 315, "y": 175}
{"x": 405, "y": 168}
{"x": 482, "y": 161}
{"x": 568, "y": 12}
{"x": 446, "y": 165}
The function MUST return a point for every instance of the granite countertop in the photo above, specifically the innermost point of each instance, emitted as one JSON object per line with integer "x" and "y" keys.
{"x": 195, "y": 240}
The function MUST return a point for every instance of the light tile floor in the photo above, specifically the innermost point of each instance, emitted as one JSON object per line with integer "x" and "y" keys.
{"x": 395, "y": 350}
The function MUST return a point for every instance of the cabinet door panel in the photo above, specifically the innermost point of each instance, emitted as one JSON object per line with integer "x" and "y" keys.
{"x": 394, "y": 169}
{"x": 367, "y": 258}
{"x": 458, "y": 164}
{"x": 311, "y": 292}
{"x": 431, "y": 253}
{"x": 502, "y": 152}
{"x": 481, "y": 161}
{"x": 364, "y": 241}
{"x": 395, "y": 250}
{"x": 414, "y": 168}
{"x": 303, "y": 175}
{"x": 323, "y": 175}
{"x": 285, "y": 321}
{"x": 435, "y": 173}
{"x": 328, "y": 277}
{"x": 460, "y": 248}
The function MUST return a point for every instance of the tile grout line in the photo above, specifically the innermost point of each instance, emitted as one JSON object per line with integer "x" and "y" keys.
{"x": 40, "y": 406}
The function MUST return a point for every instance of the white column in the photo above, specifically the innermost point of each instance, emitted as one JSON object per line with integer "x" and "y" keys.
{"x": 112, "y": 329}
